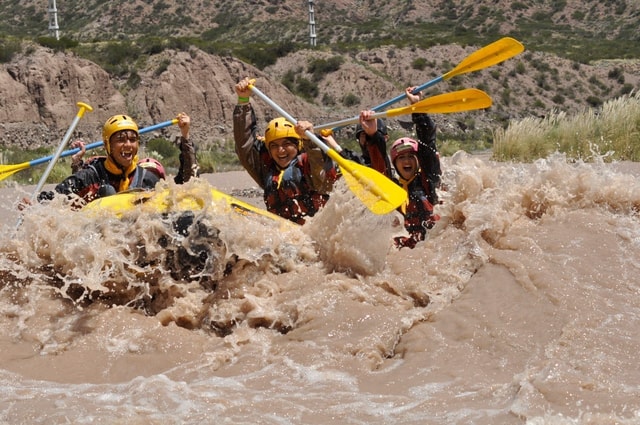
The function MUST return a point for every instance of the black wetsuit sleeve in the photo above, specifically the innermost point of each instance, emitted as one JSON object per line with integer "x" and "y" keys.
{"x": 427, "y": 149}
{"x": 72, "y": 185}
{"x": 188, "y": 162}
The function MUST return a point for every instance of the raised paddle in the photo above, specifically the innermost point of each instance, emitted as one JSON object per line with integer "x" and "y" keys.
{"x": 457, "y": 101}
{"x": 43, "y": 179}
{"x": 379, "y": 194}
{"x": 7, "y": 170}
{"x": 82, "y": 108}
{"x": 490, "y": 55}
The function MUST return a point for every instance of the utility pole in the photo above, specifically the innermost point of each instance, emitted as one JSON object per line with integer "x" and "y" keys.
{"x": 53, "y": 20}
{"x": 312, "y": 25}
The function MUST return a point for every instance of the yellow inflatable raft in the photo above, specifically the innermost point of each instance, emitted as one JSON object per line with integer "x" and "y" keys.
{"x": 179, "y": 198}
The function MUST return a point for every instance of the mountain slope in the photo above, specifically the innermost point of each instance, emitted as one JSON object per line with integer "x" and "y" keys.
{"x": 374, "y": 50}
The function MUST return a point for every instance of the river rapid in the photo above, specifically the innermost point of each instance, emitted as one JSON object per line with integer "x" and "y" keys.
{"x": 521, "y": 307}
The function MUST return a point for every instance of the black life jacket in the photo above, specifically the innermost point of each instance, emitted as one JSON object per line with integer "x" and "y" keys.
{"x": 106, "y": 182}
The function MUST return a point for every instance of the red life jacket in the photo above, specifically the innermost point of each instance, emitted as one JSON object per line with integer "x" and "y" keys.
{"x": 289, "y": 194}
{"x": 418, "y": 212}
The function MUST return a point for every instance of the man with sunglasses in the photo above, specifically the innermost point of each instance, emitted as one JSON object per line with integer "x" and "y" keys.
{"x": 120, "y": 169}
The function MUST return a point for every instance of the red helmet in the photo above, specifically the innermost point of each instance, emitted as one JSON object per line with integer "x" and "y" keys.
{"x": 403, "y": 145}
{"x": 154, "y": 165}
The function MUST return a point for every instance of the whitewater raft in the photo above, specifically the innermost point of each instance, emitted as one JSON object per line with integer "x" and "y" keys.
{"x": 167, "y": 200}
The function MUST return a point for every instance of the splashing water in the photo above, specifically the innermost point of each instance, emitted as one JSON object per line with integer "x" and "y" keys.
{"x": 521, "y": 306}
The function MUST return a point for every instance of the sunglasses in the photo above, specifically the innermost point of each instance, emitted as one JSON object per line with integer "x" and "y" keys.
{"x": 124, "y": 135}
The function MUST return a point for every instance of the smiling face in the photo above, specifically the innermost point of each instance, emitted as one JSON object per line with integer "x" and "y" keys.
{"x": 283, "y": 151}
{"x": 124, "y": 147}
{"x": 407, "y": 165}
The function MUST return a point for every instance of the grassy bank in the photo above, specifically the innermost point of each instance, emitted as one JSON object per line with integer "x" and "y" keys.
{"x": 612, "y": 131}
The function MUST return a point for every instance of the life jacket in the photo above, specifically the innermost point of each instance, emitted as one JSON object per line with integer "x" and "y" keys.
{"x": 418, "y": 211}
{"x": 106, "y": 182}
{"x": 288, "y": 193}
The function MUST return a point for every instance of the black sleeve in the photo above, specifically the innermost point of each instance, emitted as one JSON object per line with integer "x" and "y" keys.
{"x": 71, "y": 185}
{"x": 188, "y": 162}
{"x": 427, "y": 151}
{"x": 351, "y": 156}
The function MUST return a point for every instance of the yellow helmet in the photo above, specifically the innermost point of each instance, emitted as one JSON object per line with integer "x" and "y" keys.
{"x": 117, "y": 123}
{"x": 280, "y": 128}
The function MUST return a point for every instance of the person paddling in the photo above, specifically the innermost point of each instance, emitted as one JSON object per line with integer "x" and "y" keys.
{"x": 120, "y": 169}
{"x": 417, "y": 164}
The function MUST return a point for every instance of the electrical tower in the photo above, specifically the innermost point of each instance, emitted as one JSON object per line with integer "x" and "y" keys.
{"x": 53, "y": 20}
{"x": 312, "y": 25}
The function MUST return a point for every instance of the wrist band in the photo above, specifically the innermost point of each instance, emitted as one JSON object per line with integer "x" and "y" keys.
{"x": 243, "y": 99}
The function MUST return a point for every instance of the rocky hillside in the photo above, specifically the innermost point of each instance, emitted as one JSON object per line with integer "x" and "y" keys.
{"x": 39, "y": 87}
{"x": 336, "y": 20}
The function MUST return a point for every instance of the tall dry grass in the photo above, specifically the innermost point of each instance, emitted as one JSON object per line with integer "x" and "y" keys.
{"x": 612, "y": 131}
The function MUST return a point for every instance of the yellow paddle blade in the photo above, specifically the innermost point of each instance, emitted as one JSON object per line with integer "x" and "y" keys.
{"x": 457, "y": 101}
{"x": 7, "y": 170}
{"x": 378, "y": 193}
{"x": 490, "y": 55}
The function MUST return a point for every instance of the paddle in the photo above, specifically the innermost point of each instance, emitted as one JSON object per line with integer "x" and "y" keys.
{"x": 8, "y": 170}
{"x": 490, "y": 55}
{"x": 375, "y": 191}
{"x": 457, "y": 101}
{"x": 43, "y": 179}
{"x": 83, "y": 107}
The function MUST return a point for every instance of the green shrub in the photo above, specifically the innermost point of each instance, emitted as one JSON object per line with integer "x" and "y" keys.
{"x": 306, "y": 88}
{"x": 58, "y": 45}
{"x": 288, "y": 79}
{"x": 419, "y": 63}
{"x": 350, "y": 99}
{"x": 8, "y": 49}
{"x": 594, "y": 101}
{"x": 321, "y": 67}
{"x": 162, "y": 67}
{"x": 165, "y": 151}
{"x": 134, "y": 79}
{"x": 616, "y": 74}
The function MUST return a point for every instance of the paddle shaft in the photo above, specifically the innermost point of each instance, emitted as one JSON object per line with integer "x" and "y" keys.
{"x": 83, "y": 107}
{"x": 354, "y": 120}
{"x": 404, "y": 95}
{"x": 289, "y": 118}
{"x": 99, "y": 144}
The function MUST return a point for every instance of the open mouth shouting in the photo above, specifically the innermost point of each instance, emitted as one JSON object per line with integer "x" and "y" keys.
{"x": 124, "y": 147}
